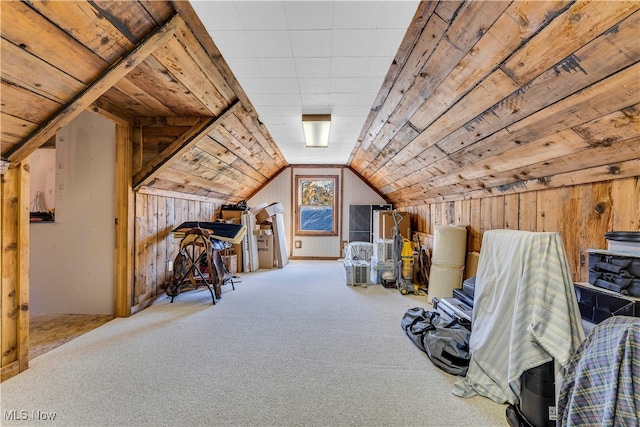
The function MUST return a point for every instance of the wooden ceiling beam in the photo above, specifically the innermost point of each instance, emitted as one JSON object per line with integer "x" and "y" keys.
{"x": 86, "y": 98}
{"x": 112, "y": 112}
{"x": 185, "y": 141}
{"x": 179, "y": 195}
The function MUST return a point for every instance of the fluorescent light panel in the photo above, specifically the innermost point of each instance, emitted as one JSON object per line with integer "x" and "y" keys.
{"x": 316, "y": 129}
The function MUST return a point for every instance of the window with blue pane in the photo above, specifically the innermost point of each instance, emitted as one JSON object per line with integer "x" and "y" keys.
{"x": 316, "y": 213}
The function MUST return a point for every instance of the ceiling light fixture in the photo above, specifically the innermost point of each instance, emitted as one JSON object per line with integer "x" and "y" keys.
{"x": 316, "y": 129}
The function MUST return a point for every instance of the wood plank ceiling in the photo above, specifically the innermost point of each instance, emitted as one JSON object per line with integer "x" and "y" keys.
{"x": 149, "y": 64}
{"x": 484, "y": 97}
{"x": 491, "y": 97}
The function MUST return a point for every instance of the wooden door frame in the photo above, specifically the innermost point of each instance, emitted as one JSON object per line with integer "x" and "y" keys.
{"x": 14, "y": 270}
{"x": 124, "y": 220}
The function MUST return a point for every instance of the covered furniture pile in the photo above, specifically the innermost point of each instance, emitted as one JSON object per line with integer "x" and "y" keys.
{"x": 525, "y": 313}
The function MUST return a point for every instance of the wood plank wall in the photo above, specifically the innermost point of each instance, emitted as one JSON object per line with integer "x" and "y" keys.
{"x": 582, "y": 214}
{"x": 155, "y": 217}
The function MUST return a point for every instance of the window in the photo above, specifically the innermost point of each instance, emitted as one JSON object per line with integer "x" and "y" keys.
{"x": 316, "y": 205}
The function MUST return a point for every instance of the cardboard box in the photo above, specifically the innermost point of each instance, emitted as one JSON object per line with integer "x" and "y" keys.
{"x": 232, "y": 216}
{"x": 383, "y": 224}
{"x": 245, "y": 250}
{"x": 236, "y": 249}
{"x": 471, "y": 264}
{"x": 266, "y": 253}
{"x": 267, "y": 212}
{"x": 231, "y": 263}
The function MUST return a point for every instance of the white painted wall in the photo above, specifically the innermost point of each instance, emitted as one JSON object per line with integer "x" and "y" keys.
{"x": 43, "y": 177}
{"x": 72, "y": 260}
{"x": 278, "y": 190}
{"x": 352, "y": 191}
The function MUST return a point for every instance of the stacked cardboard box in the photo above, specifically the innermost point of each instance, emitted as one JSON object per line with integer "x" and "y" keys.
{"x": 230, "y": 262}
{"x": 264, "y": 214}
{"x": 264, "y": 235}
{"x": 384, "y": 223}
{"x": 270, "y": 232}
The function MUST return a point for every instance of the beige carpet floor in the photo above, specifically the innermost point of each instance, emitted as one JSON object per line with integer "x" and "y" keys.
{"x": 288, "y": 347}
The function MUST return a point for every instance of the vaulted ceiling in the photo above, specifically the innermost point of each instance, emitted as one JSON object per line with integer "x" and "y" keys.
{"x": 309, "y": 57}
{"x": 482, "y": 97}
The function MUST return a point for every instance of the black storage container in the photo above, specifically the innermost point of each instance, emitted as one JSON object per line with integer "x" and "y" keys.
{"x": 596, "y": 304}
{"x": 615, "y": 271}
{"x": 537, "y": 396}
{"x": 624, "y": 236}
